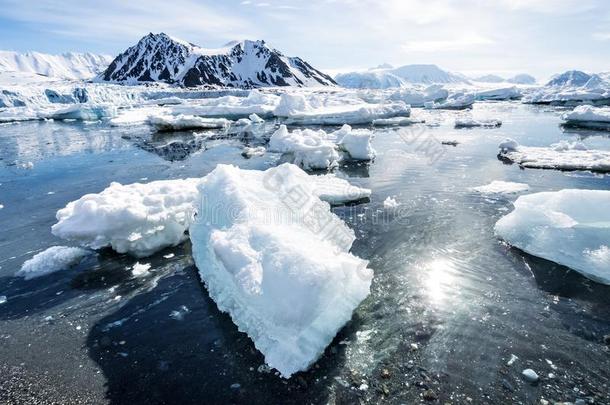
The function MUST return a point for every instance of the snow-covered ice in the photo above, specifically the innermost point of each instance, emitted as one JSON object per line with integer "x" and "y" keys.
{"x": 589, "y": 117}
{"x": 396, "y": 121}
{"x": 390, "y": 202}
{"x": 184, "y": 122}
{"x": 84, "y": 112}
{"x": 501, "y": 187}
{"x": 503, "y": 93}
{"x": 290, "y": 283}
{"x": 473, "y": 123}
{"x": 51, "y": 260}
{"x": 562, "y": 156}
{"x": 357, "y": 143}
{"x": 138, "y": 219}
{"x": 569, "y": 227}
{"x": 310, "y": 149}
{"x": 335, "y": 190}
{"x": 456, "y": 101}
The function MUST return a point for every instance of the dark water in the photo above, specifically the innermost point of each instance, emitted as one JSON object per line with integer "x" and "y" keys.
{"x": 449, "y": 305}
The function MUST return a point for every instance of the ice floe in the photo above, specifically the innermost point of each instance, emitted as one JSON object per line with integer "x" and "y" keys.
{"x": 569, "y": 227}
{"x": 357, "y": 143}
{"x": 562, "y": 156}
{"x": 472, "y": 123}
{"x": 51, "y": 260}
{"x": 503, "y": 93}
{"x": 501, "y": 187}
{"x": 289, "y": 283}
{"x": 184, "y": 122}
{"x": 310, "y": 149}
{"x": 396, "y": 121}
{"x": 588, "y": 117}
{"x": 456, "y": 101}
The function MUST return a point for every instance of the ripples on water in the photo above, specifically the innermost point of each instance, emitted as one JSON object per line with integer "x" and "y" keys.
{"x": 449, "y": 302}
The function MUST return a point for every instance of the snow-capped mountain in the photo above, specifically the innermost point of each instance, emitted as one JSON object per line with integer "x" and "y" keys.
{"x": 73, "y": 66}
{"x": 490, "y": 79}
{"x": 161, "y": 58}
{"x": 522, "y": 78}
{"x": 379, "y": 78}
{"x": 571, "y": 78}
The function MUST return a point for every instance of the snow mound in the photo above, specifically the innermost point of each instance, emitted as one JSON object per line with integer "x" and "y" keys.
{"x": 290, "y": 284}
{"x": 138, "y": 219}
{"x": 501, "y": 187}
{"x": 569, "y": 227}
{"x": 184, "y": 122}
{"x": 472, "y": 123}
{"x": 562, "y": 156}
{"x": 51, "y": 260}
{"x": 588, "y": 117}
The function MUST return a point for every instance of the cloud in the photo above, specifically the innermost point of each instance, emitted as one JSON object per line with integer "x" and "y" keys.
{"x": 550, "y": 6}
{"x": 601, "y": 36}
{"x": 116, "y": 20}
{"x": 447, "y": 45}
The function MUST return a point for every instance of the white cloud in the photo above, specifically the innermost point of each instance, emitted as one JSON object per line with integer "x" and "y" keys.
{"x": 446, "y": 45}
{"x": 602, "y": 36}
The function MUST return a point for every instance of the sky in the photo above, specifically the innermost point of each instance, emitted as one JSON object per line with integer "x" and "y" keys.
{"x": 474, "y": 37}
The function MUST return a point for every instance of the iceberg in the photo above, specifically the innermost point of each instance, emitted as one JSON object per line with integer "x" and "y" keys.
{"x": 310, "y": 149}
{"x": 587, "y": 116}
{"x": 503, "y": 93}
{"x": 51, "y": 260}
{"x": 184, "y": 122}
{"x": 457, "y": 101}
{"x": 276, "y": 259}
{"x": 84, "y": 112}
{"x": 569, "y": 227}
{"x": 142, "y": 218}
{"x": 357, "y": 143}
{"x": 138, "y": 219}
{"x": 561, "y": 156}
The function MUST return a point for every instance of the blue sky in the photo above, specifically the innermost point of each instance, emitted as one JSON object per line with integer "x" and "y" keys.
{"x": 540, "y": 37}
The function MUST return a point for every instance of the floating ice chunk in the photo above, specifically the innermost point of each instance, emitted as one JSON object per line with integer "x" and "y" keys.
{"x": 296, "y": 109}
{"x": 457, "y": 101}
{"x": 398, "y": 121}
{"x": 231, "y": 107}
{"x": 310, "y": 149}
{"x": 569, "y": 227}
{"x": 166, "y": 101}
{"x": 84, "y": 112}
{"x": 530, "y": 375}
{"x": 335, "y": 190}
{"x": 1, "y": 206}
{"x": 588, "y": 117}
{"x": 3, "y": 299}
{"x": 357, "y": 143}
{"x": 472, "y": 123}
{"x": 49, "y": 261}
{"x": 505, "y": 93}
{"x": 561, "y": 156}
{"x": 501, "y": 187}
{"x": 140, "y": 269}
{"x": 290, "y": 284}
{"x": 138, "y": 219}
{"x": 184, "y": 122}
{"x": 256, "y": 119}
{"x": 249, "y": 152}
{"x": 390, "y": 203}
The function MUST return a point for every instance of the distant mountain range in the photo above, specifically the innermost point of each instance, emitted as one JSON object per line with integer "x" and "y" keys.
{"x": 518, "y": 79}
{"x": 386, "y": 76}
{"x": 72, "y": 66}
{"x": 244, "y": 64}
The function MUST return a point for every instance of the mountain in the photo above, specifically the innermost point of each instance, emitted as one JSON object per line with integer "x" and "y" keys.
{"x": 73, "y": 66}
{"x": 571, "y": 78}
{"x": 381, "y": 78}
{"x": 161, "y": 58}
{"x": 522, "y": 78}
{"x": 490, "y": 79}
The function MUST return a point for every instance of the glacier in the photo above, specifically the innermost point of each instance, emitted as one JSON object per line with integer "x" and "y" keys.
{"x": 570, "y": 227}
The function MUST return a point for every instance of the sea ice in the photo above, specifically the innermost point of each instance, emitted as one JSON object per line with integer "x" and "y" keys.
{"x": 569, "y": 227}
{"x": 588, "y": 117}
{"x": 456, "y": 101}
{"x": 184, "y": 122}
{"x": 357, "y": 143}
{"x": 398, "y": 121}
{"x": 390, "y": 203}
{"x": 84, "y": 112}
{"x": 274, "y": 257}
{"x": 561, "y": 156}
{"x": 501, "y": 187}
{"x": 138, "y": 219}
{"x": 472, "y": 123}
{"x": 310, "y": 149}
{"x": 51, "y": 260}
{"x": 505, "y": 93}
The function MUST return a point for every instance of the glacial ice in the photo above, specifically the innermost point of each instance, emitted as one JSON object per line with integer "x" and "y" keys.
{"x": 588, "y": 117}
{"x": 184, "y": 122}
{"x": 143, "y": 218}
{"x": 357, "y": 143}
{"x": 562, "y": 156}
{"x": 276, "y": 259}
{"x": 51, "y": 260}
{"x": 456, "y": 101}
{"x": 84, "y": 112}
{"x": 570, "y": 227}
{"x": 138, "y": 219}
{"x": 503, "y": 93}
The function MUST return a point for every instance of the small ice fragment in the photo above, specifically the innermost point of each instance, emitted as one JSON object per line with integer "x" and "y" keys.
{"x": 1, "y": 206}
{"x": 363, "y": 387}
{"x": 235, "y": 386}
{"x": 390, "y": 202}
{"x": 51, "y": 260}
{"x": 168, "y": 256}
{"x": 512, "y": 360}
{"x": 256, "y": 119}
{"x": 530, "y": 375}
{"x": 139, "y": 270}
{"x": 501, "y": 187}
{"x": 179, "y": 313}
{"x": 3, "y": 299}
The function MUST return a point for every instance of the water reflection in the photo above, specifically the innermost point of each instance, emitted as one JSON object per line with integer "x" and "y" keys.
{"x": 439, "y": 279}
